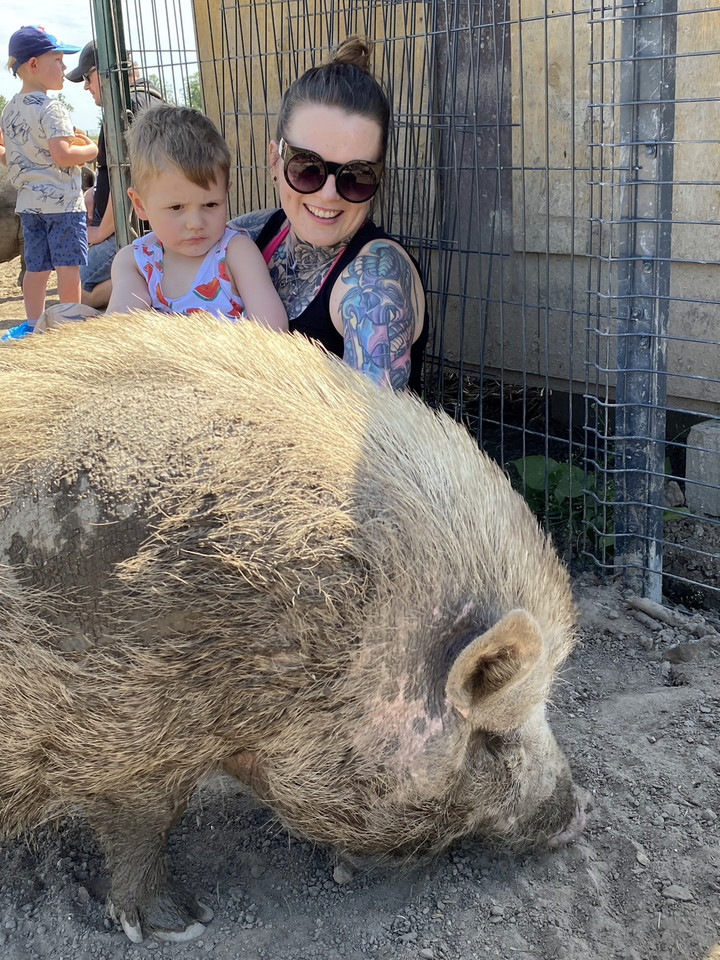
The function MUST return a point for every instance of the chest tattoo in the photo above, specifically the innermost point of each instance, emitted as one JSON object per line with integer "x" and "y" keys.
{"x": 298, "y": 269}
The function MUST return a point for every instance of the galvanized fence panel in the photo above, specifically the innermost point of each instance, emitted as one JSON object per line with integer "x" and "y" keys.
{"x": 653, "y": 337}
{"x": 555, "y": 171}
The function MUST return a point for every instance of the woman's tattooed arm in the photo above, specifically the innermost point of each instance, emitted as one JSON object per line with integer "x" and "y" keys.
{"x": 251, "y": 222}
{"x": 379, "y": 313}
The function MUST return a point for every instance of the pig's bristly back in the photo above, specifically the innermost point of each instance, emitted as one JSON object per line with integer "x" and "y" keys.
{"x": 265, "y": 456}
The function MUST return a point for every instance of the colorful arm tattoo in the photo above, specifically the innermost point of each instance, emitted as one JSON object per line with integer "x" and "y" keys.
{"x": 378, "y": 314}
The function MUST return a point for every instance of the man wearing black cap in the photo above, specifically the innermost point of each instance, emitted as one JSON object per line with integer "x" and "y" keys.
{"x": 95, "y": 277}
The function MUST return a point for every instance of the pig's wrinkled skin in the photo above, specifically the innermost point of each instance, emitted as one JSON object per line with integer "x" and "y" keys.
{"x": 225, "y": 550}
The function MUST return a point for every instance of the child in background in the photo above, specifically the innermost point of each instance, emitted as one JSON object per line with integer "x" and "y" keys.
{"x": 180, "y": 169}
{"x": 44, "y": 155}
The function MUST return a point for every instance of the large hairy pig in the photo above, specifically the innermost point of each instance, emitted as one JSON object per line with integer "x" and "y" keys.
{"x": 224, "y": 549}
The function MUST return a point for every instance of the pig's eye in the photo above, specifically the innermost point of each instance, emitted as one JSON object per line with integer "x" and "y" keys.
{"x": 484, "y": 743}
{"x": 496, "y": 747}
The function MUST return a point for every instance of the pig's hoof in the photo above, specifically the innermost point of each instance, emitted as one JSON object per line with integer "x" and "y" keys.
{"x": 189, "y": 933}
{"x": 174, "y": 916}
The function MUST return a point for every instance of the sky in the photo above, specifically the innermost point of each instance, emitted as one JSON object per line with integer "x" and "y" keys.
{"x": 71, "y": 23}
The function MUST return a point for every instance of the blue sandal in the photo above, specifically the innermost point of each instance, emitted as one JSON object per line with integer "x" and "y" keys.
{"x": 23, "y": 329}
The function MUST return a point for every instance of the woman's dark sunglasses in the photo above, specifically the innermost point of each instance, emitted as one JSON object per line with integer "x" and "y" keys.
{"x": 306, "y": 172}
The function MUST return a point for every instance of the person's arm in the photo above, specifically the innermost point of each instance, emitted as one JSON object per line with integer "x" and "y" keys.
{"x": 106, "y": 227}
{"x": 253, "y": 222}
{"x": 249, "y": 276}
{"x": 3, "y": 158}
{"x": 73, "y": 150}
{"x": 89, "y": 199}
{"x": 378, "y": 304}
{"x": 129, "y": 287}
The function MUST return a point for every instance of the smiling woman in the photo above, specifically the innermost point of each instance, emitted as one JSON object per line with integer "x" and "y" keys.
{"x": 343, "y": 281}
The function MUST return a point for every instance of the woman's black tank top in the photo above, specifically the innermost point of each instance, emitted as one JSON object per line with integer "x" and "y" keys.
{"x": 315, "y": 322}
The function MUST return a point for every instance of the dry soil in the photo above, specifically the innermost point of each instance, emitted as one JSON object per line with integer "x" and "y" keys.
{"x": 11, "y": 301}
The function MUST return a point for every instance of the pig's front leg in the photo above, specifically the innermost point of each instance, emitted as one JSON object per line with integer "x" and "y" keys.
{"x": 144, "y": 899}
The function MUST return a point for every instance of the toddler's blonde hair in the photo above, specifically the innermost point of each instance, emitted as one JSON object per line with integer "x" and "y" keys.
{"x": 166, "y": 135}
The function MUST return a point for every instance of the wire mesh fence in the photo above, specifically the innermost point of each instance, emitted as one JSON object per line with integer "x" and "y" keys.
{"x": 653, "y": 350}
{"x": 555, "y": 172}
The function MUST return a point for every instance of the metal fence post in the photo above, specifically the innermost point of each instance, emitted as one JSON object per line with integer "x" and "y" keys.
{"x": 113, "y": 68}
{"x": 647, "y": 120}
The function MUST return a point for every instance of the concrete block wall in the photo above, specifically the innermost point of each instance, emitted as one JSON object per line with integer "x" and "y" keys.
{"x": 702, "y": 471}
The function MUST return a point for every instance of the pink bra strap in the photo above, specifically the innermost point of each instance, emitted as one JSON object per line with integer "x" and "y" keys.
{"x": 275, "y": 243}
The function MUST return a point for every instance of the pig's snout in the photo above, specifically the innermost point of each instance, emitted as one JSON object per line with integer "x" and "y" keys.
{"x": 572, "y": 830}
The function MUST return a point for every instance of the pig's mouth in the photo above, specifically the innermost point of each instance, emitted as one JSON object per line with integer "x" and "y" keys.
{"x": 572, "y": 830}
{"x": 543, "y": 834}
{"x": 557, "y": 822}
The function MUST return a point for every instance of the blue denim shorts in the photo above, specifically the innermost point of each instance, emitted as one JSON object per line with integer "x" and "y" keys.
{"x": 54, "y": 240}
{"x": 99, "y": 261}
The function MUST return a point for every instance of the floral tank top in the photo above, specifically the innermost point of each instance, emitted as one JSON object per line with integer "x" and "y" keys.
{"x": 211, "y": 289}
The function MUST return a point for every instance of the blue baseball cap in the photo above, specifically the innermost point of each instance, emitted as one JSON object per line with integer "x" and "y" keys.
{"x": 29, "y": 42}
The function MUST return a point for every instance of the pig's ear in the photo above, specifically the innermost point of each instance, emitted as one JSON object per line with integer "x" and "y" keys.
{"x": 485, "y": 681}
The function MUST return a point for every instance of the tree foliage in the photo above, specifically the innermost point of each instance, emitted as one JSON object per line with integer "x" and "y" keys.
{"x": 64, "y": 101}
{"x": 190, "y": 95}
{"x": 193, "y": 93}
{"x": 160, "y": 85}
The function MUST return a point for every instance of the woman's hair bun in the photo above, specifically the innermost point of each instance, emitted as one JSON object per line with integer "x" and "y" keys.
{"x": 343, "y": 82}
{"x": 356, "y": 50}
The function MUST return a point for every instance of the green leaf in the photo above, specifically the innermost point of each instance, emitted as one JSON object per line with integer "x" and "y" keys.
{"x": 570, "y": 482}
{"x": 534, "y": 470}
{"x": 677, "y": 513}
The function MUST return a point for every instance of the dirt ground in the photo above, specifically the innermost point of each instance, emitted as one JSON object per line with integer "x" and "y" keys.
{"x": 637, "y": 709}
{"x": 11, "y": 301}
